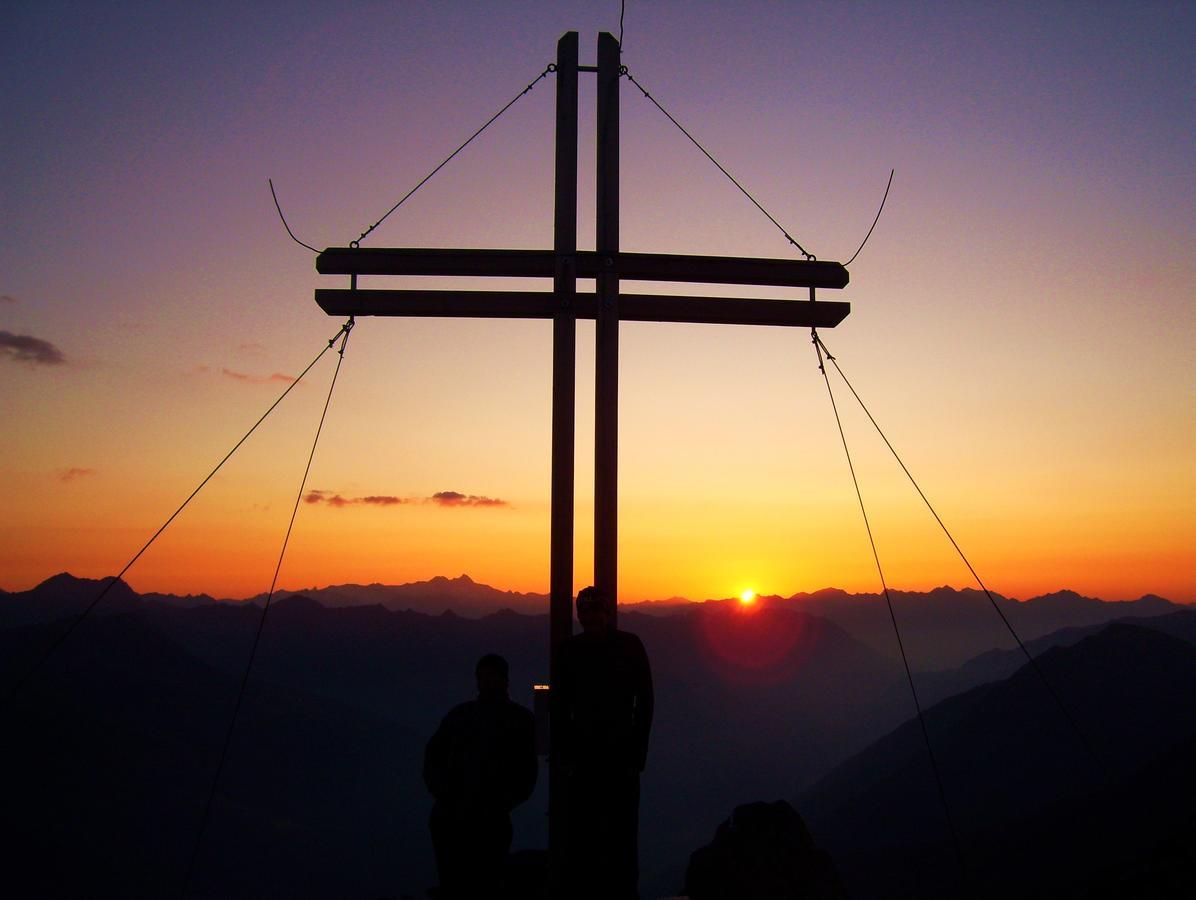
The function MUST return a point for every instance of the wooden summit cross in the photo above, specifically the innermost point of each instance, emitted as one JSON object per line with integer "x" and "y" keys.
{"x": 564, "y": 264}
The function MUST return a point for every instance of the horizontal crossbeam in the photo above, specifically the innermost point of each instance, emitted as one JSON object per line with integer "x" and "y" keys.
{"x": 589, "y": 264}
{"x": 544, "y": 305}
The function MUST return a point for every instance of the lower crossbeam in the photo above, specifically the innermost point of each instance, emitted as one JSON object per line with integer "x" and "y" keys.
{"x": 545, "y": 305}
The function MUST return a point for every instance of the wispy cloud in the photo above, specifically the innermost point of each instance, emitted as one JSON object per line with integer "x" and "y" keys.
{"x": 7, "y": 298}
{"x": 251, "y": 347}
{"x": 454, "y": 498}
{"x": 338, "y": 501}
{"x": 440, "y": 498}
{"x": 246, "y": 378}
{"x": 74, "y": 473}
{"x": 25, "y": 348}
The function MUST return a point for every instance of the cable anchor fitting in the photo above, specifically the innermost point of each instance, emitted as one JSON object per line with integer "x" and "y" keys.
{"x": 345, "y": 329}
{"x": 824, "y": 353}
{"x": 817, "y": 350}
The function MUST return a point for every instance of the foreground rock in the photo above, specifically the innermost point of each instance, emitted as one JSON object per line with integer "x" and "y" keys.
{"x": 762, "y": 851}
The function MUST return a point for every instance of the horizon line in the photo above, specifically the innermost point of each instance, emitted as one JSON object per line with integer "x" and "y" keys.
{"x": 675, "y": 599}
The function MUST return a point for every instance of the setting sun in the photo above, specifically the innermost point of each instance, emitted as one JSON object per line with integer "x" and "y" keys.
{"x": 747, "y": 597}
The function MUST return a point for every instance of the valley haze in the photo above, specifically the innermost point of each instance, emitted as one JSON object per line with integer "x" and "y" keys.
{"x": 796, "y": 698}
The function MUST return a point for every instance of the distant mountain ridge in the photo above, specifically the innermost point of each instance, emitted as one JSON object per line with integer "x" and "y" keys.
{"x": 942, "y": 628}
{"x": 462, "y": 595}
{"x": 945, "y": 627}
{"x": 465, "y": 588}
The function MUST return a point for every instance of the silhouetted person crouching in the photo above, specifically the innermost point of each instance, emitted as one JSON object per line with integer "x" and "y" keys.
{"x": 479, "y": 765}
{"x": 606, "y": 702}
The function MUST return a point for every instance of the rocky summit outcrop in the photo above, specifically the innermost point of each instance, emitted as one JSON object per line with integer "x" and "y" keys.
{"x": 763, "y": 851}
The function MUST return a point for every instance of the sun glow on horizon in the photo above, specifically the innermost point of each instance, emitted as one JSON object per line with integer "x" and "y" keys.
{"x": 748, "y": 597}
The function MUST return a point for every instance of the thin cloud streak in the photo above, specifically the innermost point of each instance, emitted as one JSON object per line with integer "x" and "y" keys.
{"x": 338, "y": 501}
{"x": 26, "y": 348}
{"x": 454, "y": 498}
{"x": 74, "y": 473}
{"x": 440, "y": 498}
{"x": 246, "y": 378}
{"x": 7, "y": 298}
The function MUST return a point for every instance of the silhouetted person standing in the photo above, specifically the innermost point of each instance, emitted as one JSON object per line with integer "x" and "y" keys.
{"x": 479, "y": 765}
{"x": 606, "y": 702}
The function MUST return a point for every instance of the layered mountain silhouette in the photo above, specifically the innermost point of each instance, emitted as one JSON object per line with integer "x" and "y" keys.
{"x": 344, "y": 698}
{"x": 944, "y": 627}
{"x": 462, "y": 595}
{"x": 1041, "y": 810}
{"x": 114, "y": 743}
{"x": 996, "y": 665}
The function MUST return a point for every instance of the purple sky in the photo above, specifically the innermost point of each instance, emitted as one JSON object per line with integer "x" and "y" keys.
{"x": 1022, "y": 319}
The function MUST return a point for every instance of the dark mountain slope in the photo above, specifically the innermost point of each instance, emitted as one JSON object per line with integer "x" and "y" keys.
{"x": 1008, "y": 759}
{"x": 996, "y": 665}
{"x": 109, "y": 755}
{"x": 63, "y": 595}
{"x": 747, "y": 701}
{"x": 757, "y": 701}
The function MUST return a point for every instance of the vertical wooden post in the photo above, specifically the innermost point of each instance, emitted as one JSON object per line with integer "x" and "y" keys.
{"x": 606, "y": 407}
{"x": 564, "y": 344}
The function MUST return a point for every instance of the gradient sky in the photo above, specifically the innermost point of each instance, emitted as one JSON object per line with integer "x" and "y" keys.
{"x": 1023, "y": 318}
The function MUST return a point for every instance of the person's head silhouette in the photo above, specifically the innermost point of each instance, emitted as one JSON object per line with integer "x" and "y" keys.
{"x": 593, "y": 612}
{"x": 493, "y": 676}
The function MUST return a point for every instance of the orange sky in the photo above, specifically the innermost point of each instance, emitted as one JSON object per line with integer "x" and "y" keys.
{"x": 1022, "y": 319}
